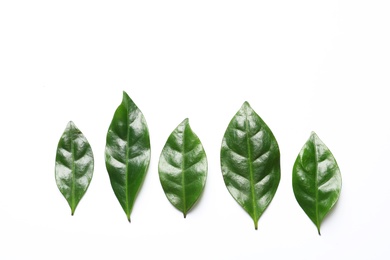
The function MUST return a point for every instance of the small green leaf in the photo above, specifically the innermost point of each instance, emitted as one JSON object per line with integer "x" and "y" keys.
{"x": 183, "y": 168}
{"x": 127, "y": 153}
{"x": 250, "y": 162}
{"x": 74, "y": 165}
{"x": 316, "y": 180}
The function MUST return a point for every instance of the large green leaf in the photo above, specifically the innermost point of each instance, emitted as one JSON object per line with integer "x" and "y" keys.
{"x": 74, "y": 165}
{"x": 127, "y": 153}
{"x": 316, "y": 180}
{"x": 183, "y": 168}
{"x": 250, "y": 162}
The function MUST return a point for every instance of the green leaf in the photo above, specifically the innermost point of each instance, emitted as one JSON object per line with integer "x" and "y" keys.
{"x": 127, "y": 153}
{"x": 183, "y": 167}
{"x": 74, "y": 165}
{"x": 250, "y": 162}
{"x": 316, "y": 180}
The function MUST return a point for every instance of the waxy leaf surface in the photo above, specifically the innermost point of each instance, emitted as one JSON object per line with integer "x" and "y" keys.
{"x": 127, "y": 153}
{"x": 316, "y": 180}
{"x": 74, "y": 165}
{"x": 183, "y": 168}
{"x": 250, "y": 162}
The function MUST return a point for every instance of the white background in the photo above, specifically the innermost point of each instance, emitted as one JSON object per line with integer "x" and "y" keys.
{"x": 304, "y": 66}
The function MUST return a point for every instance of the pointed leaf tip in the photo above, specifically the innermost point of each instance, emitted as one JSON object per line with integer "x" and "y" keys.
{"x": 186, "y": 121}
{"x": 125, "y": 96}
{"x": 246, "y": 105}
{"x": 313, "y": 134}
{"x": 71, "y": 124}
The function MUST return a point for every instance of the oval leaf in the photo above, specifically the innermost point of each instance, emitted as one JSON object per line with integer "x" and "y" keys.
{"x": 74, "y": 165}
{"x": 127, "y": 152}
{"x": 250, "y": 162}
{"x": 316, "y": 180}
{"x": 183, "y": 168}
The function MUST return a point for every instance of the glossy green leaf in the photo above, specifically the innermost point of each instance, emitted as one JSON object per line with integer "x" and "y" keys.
{"x": 127, "y": 153}
{"x": 250, "y": 161}
{"x": 316, "y": 180}
{"x": 183, "y": 168}
{"x": 74, "y": 165}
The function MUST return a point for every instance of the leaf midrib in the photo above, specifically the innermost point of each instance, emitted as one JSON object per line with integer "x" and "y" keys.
{"x": 127, "y": 164}
{"x": 316, "y": 184}
{"x": 252, "y": 188}
{"x": 73, "y": 193}
{"x": 183, "y": 174}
